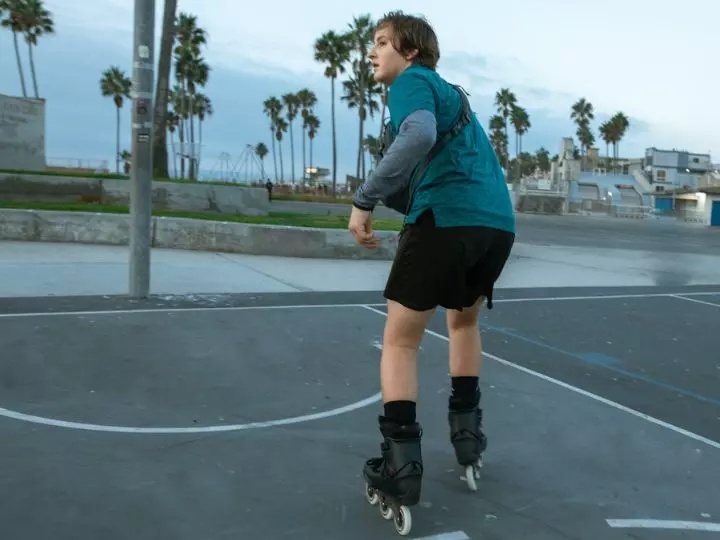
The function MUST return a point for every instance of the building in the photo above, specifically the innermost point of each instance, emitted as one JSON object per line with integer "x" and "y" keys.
{"x": 676, "y": 169}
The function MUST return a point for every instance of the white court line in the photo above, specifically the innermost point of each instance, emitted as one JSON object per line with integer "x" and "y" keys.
{"x": 597, "y": 297}
{"x": 693, "y": 300}
{"x": 663, "y": 524}
{"x": 582, "y": 392}
{"x": 308, "y": 306}
{"x": 457, "y": 535}
{"x": 176, "y": 310}
{"x": 182, "y": 430}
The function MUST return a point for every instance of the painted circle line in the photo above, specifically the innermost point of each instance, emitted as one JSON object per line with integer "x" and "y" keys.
{"x": 181, "y": 430}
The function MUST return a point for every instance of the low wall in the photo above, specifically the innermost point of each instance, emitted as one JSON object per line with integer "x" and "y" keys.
{"x": 183, "y": 197}
{"x": 191, "y": 234}
{"x": 540, "y": 204}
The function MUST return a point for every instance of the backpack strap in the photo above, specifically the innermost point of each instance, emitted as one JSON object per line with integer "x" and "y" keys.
{"x": 463, "y": 119}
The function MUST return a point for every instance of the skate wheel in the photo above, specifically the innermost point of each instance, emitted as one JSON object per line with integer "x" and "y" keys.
{"x": 371, "y": 495}
{"x": 470, "y": 477}
{"x": 385, "y": 510}
{"x": 403, "y": 521}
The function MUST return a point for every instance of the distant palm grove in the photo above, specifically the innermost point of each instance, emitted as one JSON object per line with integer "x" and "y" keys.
{"x": 181, "y": 108}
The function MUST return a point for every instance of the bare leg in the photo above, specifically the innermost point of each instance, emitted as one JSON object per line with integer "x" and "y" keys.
{"x": 398, "y": 471}
{"x": 404, "y": 330}
{"x": 465, "y": 414}
{"x": 465, "y": 348}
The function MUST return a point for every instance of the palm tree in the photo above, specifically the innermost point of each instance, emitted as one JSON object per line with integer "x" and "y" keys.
{"x": 261, "y": 150}
{"x": 313, "y": 125}
{"x": 505, "y": 100}
{"x": 581, "y": 114}
{"x": 203, "y": 107}
{"x": 520, "y": 120}
{"x": 196, "y": 72}
{"x": 371, "y": 145}
{"x": 306, "y": 101}
{"x": 606, "y": 135}
{"x": 619, "y": 125}
{"x": 126, "y": 158}
{"x": 360, "y": 93}
{"x": 272, "y": 107}
{"x": 14, "y": 22}
{"x": 115, "y": 84}
{"x": 334, "y": 50}
{"x": 291, "y": 110}
{"x": 171, "y": 123}
{"x": 281, "y": 126}
{"x": 499, "y": 139}
{"x": 360, "y": 37}
{"x": 542, "y": 156}
{"x": 36, "y": 21}
{"x": 383, "y": 100}
{"x": 162, "y": 93}
{"x": 190, "y": 70}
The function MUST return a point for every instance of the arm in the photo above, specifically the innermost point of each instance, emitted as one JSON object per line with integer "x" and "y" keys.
{"x": 411, "y": 102}
{"x": 414, "y": 140}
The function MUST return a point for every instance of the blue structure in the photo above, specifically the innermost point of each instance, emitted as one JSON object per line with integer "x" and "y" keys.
{"x": 715, "y": 214}
{"x": 614, "y": 189}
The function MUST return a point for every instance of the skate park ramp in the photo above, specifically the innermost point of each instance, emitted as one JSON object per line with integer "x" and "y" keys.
{"x": 249, "y": 416}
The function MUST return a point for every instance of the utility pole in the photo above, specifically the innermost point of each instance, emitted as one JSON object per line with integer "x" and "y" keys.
{"x": 142, "y": 135}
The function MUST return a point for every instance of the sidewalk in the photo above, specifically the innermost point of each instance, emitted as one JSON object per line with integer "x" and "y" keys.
{"x": 49, "y": 269}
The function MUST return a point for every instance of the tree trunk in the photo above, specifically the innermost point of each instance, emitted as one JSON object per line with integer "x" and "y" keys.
{"x": 174, "y": 161}
{"x": 160, "y": 155}
{"x": 32, "y": 71}
{"x": 304, "y": 162}
{"x": 193, "y": 157}
{"x": 19, "y": 64}
{"x": 117, "y": 140}
{"x": 334, "y": 134}
{"x": 310, "y": 155}
{"x": 292, "y": 152}
{"x": 199, "y": 154}
{"x": 282, "y": 172}
{"x": 274, "y": 150}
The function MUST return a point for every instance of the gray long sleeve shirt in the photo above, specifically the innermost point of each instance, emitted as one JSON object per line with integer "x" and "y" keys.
{"x": 415, "y": 138}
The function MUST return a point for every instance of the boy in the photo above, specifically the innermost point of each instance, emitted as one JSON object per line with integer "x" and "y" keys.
{"x": 459, "y": 232}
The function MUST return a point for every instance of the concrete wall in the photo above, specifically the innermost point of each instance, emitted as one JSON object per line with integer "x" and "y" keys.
{"x": 187, "y": 197}
{"x": 201, "y": 235}
{"x": 22, "y": 133}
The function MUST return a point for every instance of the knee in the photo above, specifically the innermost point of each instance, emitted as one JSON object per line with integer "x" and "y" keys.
{"x": 467, "y": 318}
{"x": 405, "y": 327}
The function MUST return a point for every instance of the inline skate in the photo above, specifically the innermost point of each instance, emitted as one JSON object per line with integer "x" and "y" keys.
{"x": 468, "y": 439}
{"x": 394, "y": 480}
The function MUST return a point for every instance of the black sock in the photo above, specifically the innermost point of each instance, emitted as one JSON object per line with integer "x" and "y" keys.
{"x": 400, "y": 412}
{"x": 465, "y": 393}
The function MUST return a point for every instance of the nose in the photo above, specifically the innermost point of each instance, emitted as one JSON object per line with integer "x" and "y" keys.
{"x": 371, "y": 53}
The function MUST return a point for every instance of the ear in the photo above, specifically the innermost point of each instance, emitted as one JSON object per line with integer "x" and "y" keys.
{"x": 411, "y": 54}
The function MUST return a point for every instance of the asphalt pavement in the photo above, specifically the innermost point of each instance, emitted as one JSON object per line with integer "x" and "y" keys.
{"x": 173, "y": 420}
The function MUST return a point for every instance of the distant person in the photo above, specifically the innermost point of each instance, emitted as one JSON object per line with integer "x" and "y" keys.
{"x": 269, "y": 187}
{"x": 458, "y": 234}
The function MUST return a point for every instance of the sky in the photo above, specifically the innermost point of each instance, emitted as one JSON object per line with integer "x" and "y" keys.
{"x": 654, "y": 61}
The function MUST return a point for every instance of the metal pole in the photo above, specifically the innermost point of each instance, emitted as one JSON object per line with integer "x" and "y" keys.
{"x": 142, "y": 135}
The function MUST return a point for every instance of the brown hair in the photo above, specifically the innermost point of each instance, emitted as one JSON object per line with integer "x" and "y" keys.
{"x": 410, "y": 32}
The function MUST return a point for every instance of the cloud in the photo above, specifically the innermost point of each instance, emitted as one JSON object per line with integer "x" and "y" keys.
{"x": 548, "y": 57}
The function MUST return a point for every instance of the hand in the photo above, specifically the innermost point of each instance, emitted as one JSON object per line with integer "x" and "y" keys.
{"x": 360, "y": 225}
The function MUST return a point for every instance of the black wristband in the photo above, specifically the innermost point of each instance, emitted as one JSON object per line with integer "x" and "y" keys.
{"x": 364, "y": 208}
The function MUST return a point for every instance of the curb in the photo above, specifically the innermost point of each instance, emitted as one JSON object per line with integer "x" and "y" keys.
{"x": 191, "y": 234}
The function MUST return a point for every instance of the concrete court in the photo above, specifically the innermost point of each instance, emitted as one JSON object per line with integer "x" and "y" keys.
{"x": 560, "y": 464}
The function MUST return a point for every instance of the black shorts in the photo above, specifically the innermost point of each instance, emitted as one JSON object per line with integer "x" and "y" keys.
{"x": 450, "y": 267}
